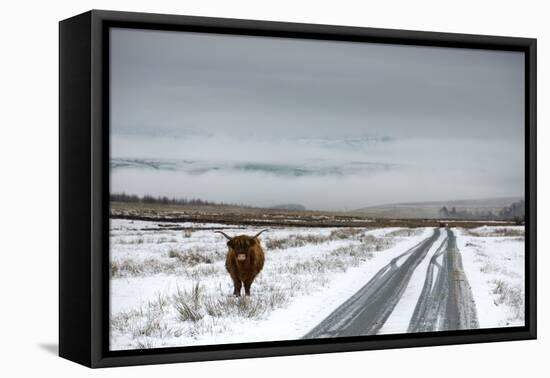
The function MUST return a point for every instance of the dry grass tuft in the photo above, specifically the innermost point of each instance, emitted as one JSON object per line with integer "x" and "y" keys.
{"x": 498, "y": 232}
{"x": 511, "y": 296}
{"x": 189, "y": 304}
{"x": 191, "y": 257}
{"x": 300, "y": 240}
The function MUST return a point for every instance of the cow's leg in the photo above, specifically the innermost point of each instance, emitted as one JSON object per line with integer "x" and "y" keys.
{"x": 237, "y": 285}
{"x": 237, "y": 292}
{"x": 247, "y": 285}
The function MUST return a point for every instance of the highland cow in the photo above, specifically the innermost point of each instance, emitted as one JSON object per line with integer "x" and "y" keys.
{"x": 244, "y": 260}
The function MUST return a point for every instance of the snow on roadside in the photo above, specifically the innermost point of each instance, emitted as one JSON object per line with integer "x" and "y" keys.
{"x": 495, "y": 267}
{"x": 142, "y": 308}
{"x": 307, "y": 311}
{"x": 399, "y": 319}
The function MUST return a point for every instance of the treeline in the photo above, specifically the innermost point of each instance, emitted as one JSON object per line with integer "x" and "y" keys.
{"x": 516, "y": 212}
{"x": 164, "y": 200}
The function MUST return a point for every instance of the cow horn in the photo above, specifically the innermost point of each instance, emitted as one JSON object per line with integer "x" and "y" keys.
{"x": 224, "y": 234}
{"x": 258, "y": 234}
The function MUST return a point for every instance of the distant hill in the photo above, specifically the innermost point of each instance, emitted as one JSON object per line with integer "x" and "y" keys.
{"x": 432, "y": 209}
{"x": 289, "y": 206}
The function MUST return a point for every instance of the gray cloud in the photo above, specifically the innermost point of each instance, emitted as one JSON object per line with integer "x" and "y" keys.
{"x": 440, "y": 112}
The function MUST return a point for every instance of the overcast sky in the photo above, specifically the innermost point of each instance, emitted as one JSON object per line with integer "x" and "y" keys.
{"x": 423, "y": 123}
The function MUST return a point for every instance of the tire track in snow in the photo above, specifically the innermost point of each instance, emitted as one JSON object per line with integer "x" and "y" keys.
{"x": 367, "y": 310}
{"x": 447, "y": 303}
{"x": 399, "y": 319}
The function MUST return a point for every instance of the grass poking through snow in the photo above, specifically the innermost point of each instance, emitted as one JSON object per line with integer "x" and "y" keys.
{"x": 302, "y": 263}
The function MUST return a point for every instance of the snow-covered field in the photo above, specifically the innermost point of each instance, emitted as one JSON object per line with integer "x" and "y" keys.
{"x": 308, "y": 273}
{"x": 169, "y": 286}
{"x": 494, "y": 262}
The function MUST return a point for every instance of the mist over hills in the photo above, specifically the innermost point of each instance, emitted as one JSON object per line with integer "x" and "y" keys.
{"x": 289, "y": 206}
{"x": 470, "y": 208}
{"x": 311, "y": 167}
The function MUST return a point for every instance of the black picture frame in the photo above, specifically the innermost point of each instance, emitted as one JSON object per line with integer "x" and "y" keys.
{"x": 84, "y": 187}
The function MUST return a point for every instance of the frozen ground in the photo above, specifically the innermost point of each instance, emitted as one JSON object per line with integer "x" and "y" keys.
{"x": 494, "y": 262}
{"x": 169, "y": 286}
{"x": 308, "y": 272}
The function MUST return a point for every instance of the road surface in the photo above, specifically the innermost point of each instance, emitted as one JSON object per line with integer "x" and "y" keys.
{"x": 444, "y": 303}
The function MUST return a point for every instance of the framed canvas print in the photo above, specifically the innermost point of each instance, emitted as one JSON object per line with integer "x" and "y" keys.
{"x": 234, "y": 188}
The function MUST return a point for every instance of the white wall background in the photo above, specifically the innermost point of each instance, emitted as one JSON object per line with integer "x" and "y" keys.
{"x": 28, "y": 158}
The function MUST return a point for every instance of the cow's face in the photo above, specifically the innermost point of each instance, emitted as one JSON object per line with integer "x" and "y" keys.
{"x": 242, "y": 245}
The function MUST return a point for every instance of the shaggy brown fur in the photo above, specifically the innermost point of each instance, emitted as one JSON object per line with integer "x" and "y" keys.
{"x": 244, "y": 260}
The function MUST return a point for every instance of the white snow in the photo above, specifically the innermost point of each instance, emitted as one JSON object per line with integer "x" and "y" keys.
{"x": 399, "y": 320}
{"x": 311, "y": 295}
{"x": 495, "y": 267}
{"x": 309, "y": 310}
{"x": 307, "y": 280}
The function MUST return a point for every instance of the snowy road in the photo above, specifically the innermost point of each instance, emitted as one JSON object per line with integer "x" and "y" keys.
{"x": 318, "y": 282}
{"x": 444, "y": 301}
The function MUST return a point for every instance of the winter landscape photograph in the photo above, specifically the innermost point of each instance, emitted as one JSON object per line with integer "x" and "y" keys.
{"x": 273, "y": 189}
